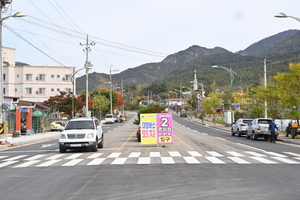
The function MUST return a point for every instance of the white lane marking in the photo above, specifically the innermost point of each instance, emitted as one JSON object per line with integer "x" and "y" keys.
{"x": 72, "y": 162}
{"x": 15, "y": 158}
{"x": 239, "y": 160}
{"x": 48, "y": 163}
{"x": 250, "y": 147}
{"x": 220, "y": 138}
{"x": 114, "y": 155}
{"x": 35, "y": 157}
{"x": 293, "y": 154}
{"x": 175, "y": 154}
{"x": 144, "y": 160}
{"x": 276, "y": 154}
{"x": 48, "y": 145}
{"x": 96, "y": 161}
{"x": 194, "y": 153}
{"x": 119, "y": 161}
{"x": 74, "y": 156}
{"x": 3, "y": 157}
{"x": 95, "y": 155}
{"x": 155, "y": 154}
{"x": 8, "y": 163}
{"x": 55, "y": 157}
{"x": 191, "y": 160}
{"x": 255, "y": 154}
{"x": 235, "y": 154}
{"x": 214, "y": 160}
{"x": 285, "y": 160}
{"x": 134, "y": 155}
{"x": 215, "y": 154}
{"x": 263, "y": 160}
{"x": 26, "y": 164}
{"x": 167, "y": 160}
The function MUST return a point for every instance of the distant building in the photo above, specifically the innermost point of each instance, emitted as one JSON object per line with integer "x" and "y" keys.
{"x": 34, "y": 83}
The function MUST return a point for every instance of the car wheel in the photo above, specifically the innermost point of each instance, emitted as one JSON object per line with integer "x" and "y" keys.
{"x": 95, "y": 147}
{"x": 266, "y": 138}
{"x": 100, "y": 144}
{"x": 247, "y": 136}
{"x": 238, "y": 133}
{"x": 232, "y": 133}
{"x": 62, "y": 149}
{"x": 254, "y": 137}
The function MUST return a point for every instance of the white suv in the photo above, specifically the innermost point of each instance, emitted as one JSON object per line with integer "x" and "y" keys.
{"x": 81, "y": 132}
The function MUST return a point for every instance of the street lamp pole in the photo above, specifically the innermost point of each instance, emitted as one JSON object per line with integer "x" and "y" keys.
{"x": 73, "y": 84}
{"x": 18, "y": 14}
{"x": 110, "y": 88}
{"x": 282, "y": 15}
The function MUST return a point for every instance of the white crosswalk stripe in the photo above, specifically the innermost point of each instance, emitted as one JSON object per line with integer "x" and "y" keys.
{"x": 154, "y": 157}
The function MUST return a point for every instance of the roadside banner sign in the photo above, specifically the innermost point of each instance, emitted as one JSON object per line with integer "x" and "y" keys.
{"x": 157, "y": 128}
{"x": 148, "y": 129}
{"x": 164, "y": 128}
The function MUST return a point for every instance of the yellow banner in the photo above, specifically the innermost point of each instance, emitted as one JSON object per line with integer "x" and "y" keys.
{"x": 148, "y": 128}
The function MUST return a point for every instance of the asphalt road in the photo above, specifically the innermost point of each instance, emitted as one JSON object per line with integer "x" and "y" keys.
{"x": 204, "y": 163}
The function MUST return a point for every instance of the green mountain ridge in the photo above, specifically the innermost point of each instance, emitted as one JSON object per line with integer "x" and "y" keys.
{"x": 279, "y": 50}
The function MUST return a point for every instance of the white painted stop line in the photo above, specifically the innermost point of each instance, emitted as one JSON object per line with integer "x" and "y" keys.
{"x": 144, "y": 160}
{"x": 73, "y": 162}
{"x": 214, "y": 160}
{"x": 26, "y": 164}
{"x": 239, "y": 160}
{"x": 96, "y": 161}
{"x": 191, "y": 160}
{"x": 119, "y": 161}
{"x": 167, "y": 160}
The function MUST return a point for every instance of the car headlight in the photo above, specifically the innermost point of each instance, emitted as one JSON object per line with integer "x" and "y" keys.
{"x": 90, "y": 135}
{"x": 62, "y": 136}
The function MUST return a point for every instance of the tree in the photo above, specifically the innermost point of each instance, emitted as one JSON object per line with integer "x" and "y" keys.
{"x": 212, "y": 103}
{"x": 289, "y": 89}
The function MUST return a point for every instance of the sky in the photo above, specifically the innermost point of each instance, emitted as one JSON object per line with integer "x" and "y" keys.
{"x": 128, "y": 33}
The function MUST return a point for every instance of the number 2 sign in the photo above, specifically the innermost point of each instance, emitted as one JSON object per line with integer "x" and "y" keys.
{"x": 164, "y": 128}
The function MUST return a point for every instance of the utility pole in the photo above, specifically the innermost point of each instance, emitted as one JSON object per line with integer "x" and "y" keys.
{"x": 265, "y": 84}
{"x": 88, "y": 65}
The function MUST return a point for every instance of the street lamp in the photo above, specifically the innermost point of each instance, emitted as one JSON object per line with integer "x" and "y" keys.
{"x": 18, "y": 14}
{"x": 73, "y": 84}
{"x": 110, "y": 87}
{"x": 174, "y": 93}
{"x": 282, "y": 15}
{"x": 230, "y": 72}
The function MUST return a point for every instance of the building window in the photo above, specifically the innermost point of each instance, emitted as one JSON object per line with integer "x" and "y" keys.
{"x": 58, "y": 76}
{"x": 4, "y": 77}
{"x": 68, "y": 90}
{"x": 57, "y": 89}
{"x": 28, "y": 90}
{"x": 28, "y": 77}
{"x": 68, "y": 77}
{"x": 16, "y": 89}
{"x": 41, "y": 77}
{"x": 17, "y": 75}
{"x": 52, "y": 75}
{"x": 52, "y": 89}
{"x": 41, "y": 90}
{"x": 3, "y": 90}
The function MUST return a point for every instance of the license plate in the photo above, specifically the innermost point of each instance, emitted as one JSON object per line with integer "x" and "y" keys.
{"x": 75, "y": 145}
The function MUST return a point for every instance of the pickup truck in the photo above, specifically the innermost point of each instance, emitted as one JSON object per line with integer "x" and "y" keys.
{"x": 259, "y": 127}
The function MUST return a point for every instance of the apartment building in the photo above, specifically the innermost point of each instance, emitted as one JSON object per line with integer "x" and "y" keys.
{"x": 34, "y": 83}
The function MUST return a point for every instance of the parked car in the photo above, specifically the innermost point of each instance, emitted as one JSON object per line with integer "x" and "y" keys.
{"x": 109, "y": 119}
{"x": 116, "y": 118}
{"x": 259, "y": 127}
{"x": 240, "y": 127}
{"x": 82, "y": 132}
{"x": 58, "y": 125}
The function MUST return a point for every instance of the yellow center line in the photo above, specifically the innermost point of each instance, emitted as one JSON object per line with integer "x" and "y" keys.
{"x": 125, "y": 142}
{"x": 184, "y": 143}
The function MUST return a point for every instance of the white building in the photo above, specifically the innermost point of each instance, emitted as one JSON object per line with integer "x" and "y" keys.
{"x": 34, "y": 83}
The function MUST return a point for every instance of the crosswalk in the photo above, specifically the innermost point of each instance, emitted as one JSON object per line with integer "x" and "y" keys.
{"x": 142, "y": 158}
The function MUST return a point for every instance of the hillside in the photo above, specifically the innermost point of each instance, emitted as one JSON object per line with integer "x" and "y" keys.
{"x": 279, "y": 49}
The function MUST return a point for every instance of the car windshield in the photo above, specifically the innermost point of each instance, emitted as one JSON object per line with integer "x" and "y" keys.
{"x": 247, "y": 121}
{"x": 108, "y": 116}
{"x": 264, "y": 121}
{"x": 80, "y": 125}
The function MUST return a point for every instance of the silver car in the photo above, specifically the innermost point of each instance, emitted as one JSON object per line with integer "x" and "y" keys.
{"x": 259, "y": 127}
{"x": 240, "y": 127}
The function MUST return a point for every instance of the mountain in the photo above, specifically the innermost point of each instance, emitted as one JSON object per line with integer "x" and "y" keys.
{"x": 178, "y": 68}
{"x": 267, "y": 43}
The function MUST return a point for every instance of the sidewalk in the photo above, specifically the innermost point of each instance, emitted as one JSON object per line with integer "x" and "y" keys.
{"x": 26, "y": 139}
